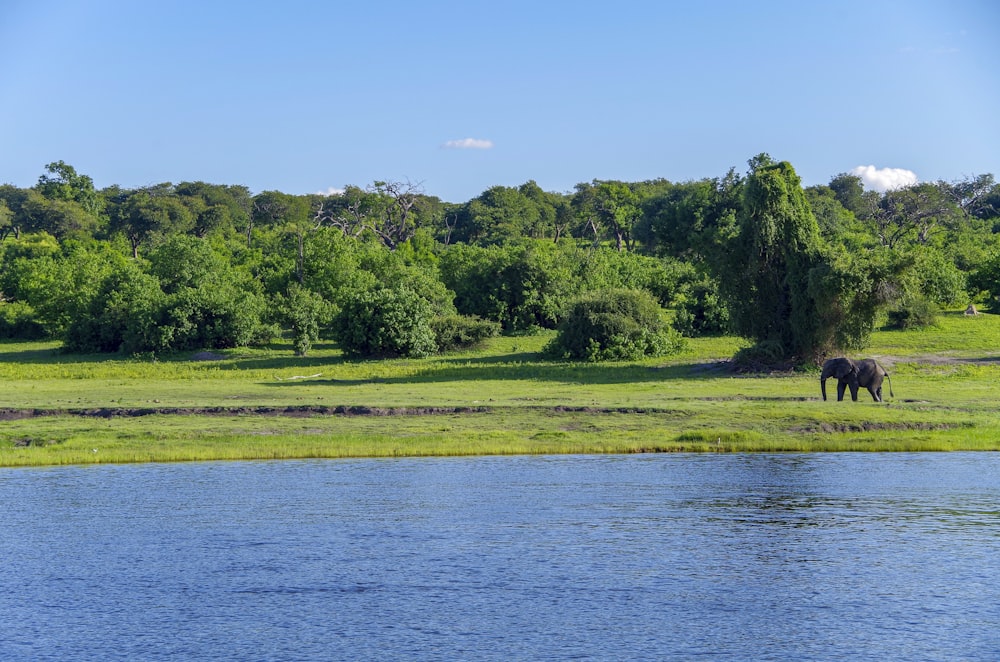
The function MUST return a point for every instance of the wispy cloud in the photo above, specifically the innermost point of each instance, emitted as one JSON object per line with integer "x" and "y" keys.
{"x": 331, "y": 191}
{"x": 885, "y": 179}
{"x": 469, "y": 143}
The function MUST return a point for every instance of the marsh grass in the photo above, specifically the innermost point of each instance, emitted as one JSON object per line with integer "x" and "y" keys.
{"x": 513, "y": 402}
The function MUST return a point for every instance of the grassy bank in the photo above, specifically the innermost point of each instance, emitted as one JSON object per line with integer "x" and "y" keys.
{"x": 268, "y": 404}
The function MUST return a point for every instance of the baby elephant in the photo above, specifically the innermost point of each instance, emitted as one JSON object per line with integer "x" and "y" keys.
{"x": 864, "y": 373}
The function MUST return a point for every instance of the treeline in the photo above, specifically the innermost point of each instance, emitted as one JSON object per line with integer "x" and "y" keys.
{"x": 388, "y": 270}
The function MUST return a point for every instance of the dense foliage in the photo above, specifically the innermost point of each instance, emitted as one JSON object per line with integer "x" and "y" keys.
{"x": 388, "y": 270}
{"x": 614, "y": 325}
{"x": 386, "y": 322}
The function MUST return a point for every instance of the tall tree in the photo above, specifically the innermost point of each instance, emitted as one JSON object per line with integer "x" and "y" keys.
{"x": 776, "y": 248}
{"x": 394, "y": 220}
{"x": 609, "y": 208}
{"x": 911, "y": 215}
{"x": 849, "y": 191}
{"x": 64, "y": 183}
{"x": 149, "y": 212}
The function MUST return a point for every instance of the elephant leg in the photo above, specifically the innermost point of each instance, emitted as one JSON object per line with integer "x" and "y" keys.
{"x": 854, "y": 392}
{"x": 876, "y": 393}
{"x": 841, "y": 387}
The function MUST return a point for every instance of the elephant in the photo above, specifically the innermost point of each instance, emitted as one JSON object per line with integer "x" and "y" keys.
{"x": 866, "y": 373}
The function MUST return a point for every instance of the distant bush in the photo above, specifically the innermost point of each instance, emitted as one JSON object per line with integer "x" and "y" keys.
{"x": 461, "y": 331}
{"x": 385, "y": 323}
{"x": 524, "y": 287}
{"x": 701, "y": 311}
{"x": 304, "y": 311}
{"x": 913, "y": 312}
{"x": 18, "y": 322}
{"x": 129, "y": 312}
{"x": 614, "y": 325}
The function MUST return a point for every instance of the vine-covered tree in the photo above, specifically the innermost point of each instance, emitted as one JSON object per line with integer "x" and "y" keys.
{"x": 771, "y": 257}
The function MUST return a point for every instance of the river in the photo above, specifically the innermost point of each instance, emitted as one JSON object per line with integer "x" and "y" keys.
{"x": 680, "y": 557}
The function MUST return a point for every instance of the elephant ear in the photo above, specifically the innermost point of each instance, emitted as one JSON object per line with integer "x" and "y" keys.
{"x": 845, "y": 368}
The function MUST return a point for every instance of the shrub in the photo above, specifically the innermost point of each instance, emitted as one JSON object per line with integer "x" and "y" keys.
{"x": 385, "y": 322}
{"x": 123, "y": 315}
{"x": 214, "y": 318}
{"x": 701, "y": 311}
{"x": 18, "y": 321}
{"x": 524, "y": 287}
{"x": 459, "y": 331}
{"x": 614, "y": 325}
{"x": 913, "y": 312}
{"x": 304, "y": 311}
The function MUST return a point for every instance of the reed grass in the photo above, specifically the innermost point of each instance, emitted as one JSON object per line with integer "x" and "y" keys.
{"x": 500, "y": 399}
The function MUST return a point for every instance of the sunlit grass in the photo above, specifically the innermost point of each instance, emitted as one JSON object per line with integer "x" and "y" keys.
{"x": 507, "y": 400}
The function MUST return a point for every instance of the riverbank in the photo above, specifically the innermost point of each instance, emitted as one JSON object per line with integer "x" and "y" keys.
{"x": 501, "y": 399}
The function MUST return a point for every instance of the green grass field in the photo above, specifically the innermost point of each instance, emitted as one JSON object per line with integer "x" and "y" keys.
{"x": 501, "y": 399}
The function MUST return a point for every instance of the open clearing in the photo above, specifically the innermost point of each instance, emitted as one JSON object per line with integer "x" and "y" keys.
{"x": 502, "y": 398}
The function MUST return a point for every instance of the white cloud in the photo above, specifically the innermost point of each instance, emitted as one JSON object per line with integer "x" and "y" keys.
{"x": 469, "y": 143}
{"x": 331, "y": 191}
{"x": 884, "y": 179}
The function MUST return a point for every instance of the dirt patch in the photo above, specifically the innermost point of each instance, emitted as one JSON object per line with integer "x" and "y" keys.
{"x": 305, "y": 411}
{"x": 296, "y": 411}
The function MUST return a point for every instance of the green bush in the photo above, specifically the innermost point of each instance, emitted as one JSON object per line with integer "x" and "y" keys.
{"x": 214, "y": 318}
{"x": 614, "y": 325}
{"x": 18, "y": 321}
{"x": 461, "y": 331}
{"x": 701, "y": 311}
{"x": 304, "y": 311}
{"x": 124, "y": 315}
{"x": 385, "y": 323}
{"x": 913, "y": 312}
{"x": 524, "y": 287}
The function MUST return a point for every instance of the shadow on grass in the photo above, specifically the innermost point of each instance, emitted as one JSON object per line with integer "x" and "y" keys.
{"x": 519, "y": 366}
{"x": 564, "y": 372}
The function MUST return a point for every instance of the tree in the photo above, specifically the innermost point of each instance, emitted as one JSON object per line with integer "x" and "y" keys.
{"x": 13, "y": 200}
{"x": 499, "y": 215}
{"x": 216, "y": 208}
{"x": 689, "y": 220}
{"x": 58, "y": 217}
{"x": 123, "y": 315}
{"x": 849, "y": 191}
{"x": 830, "y": 214}
{"x": 911, "y": 215}
{"x": 776, "y": 248}
{"x": 393, "y": 220}
{"x": 208, "y": 302}
{"x": 154, "y": 211}
{"x": 292, "y": 214}
{"x": 63, "y": 183}
{"x": 977, "y": 196}
{"x": 522, "y": 286}
{"x": 611, "y": 207}
{"x": 7, "y": 225}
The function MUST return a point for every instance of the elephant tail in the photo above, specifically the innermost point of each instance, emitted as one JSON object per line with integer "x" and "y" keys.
{"x": 889, "y": 379}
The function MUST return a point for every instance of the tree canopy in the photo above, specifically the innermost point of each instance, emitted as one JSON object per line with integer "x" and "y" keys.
{"x": 800, "y": 272}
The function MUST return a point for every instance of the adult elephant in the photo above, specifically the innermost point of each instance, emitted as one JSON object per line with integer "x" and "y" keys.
{"x": 866, "y": 373}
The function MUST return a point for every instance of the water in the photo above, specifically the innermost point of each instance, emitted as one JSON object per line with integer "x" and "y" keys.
{"x": 732, "y": 557}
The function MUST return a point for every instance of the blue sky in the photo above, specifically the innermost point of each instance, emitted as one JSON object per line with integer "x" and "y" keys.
{"x": 308, "y": 96}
